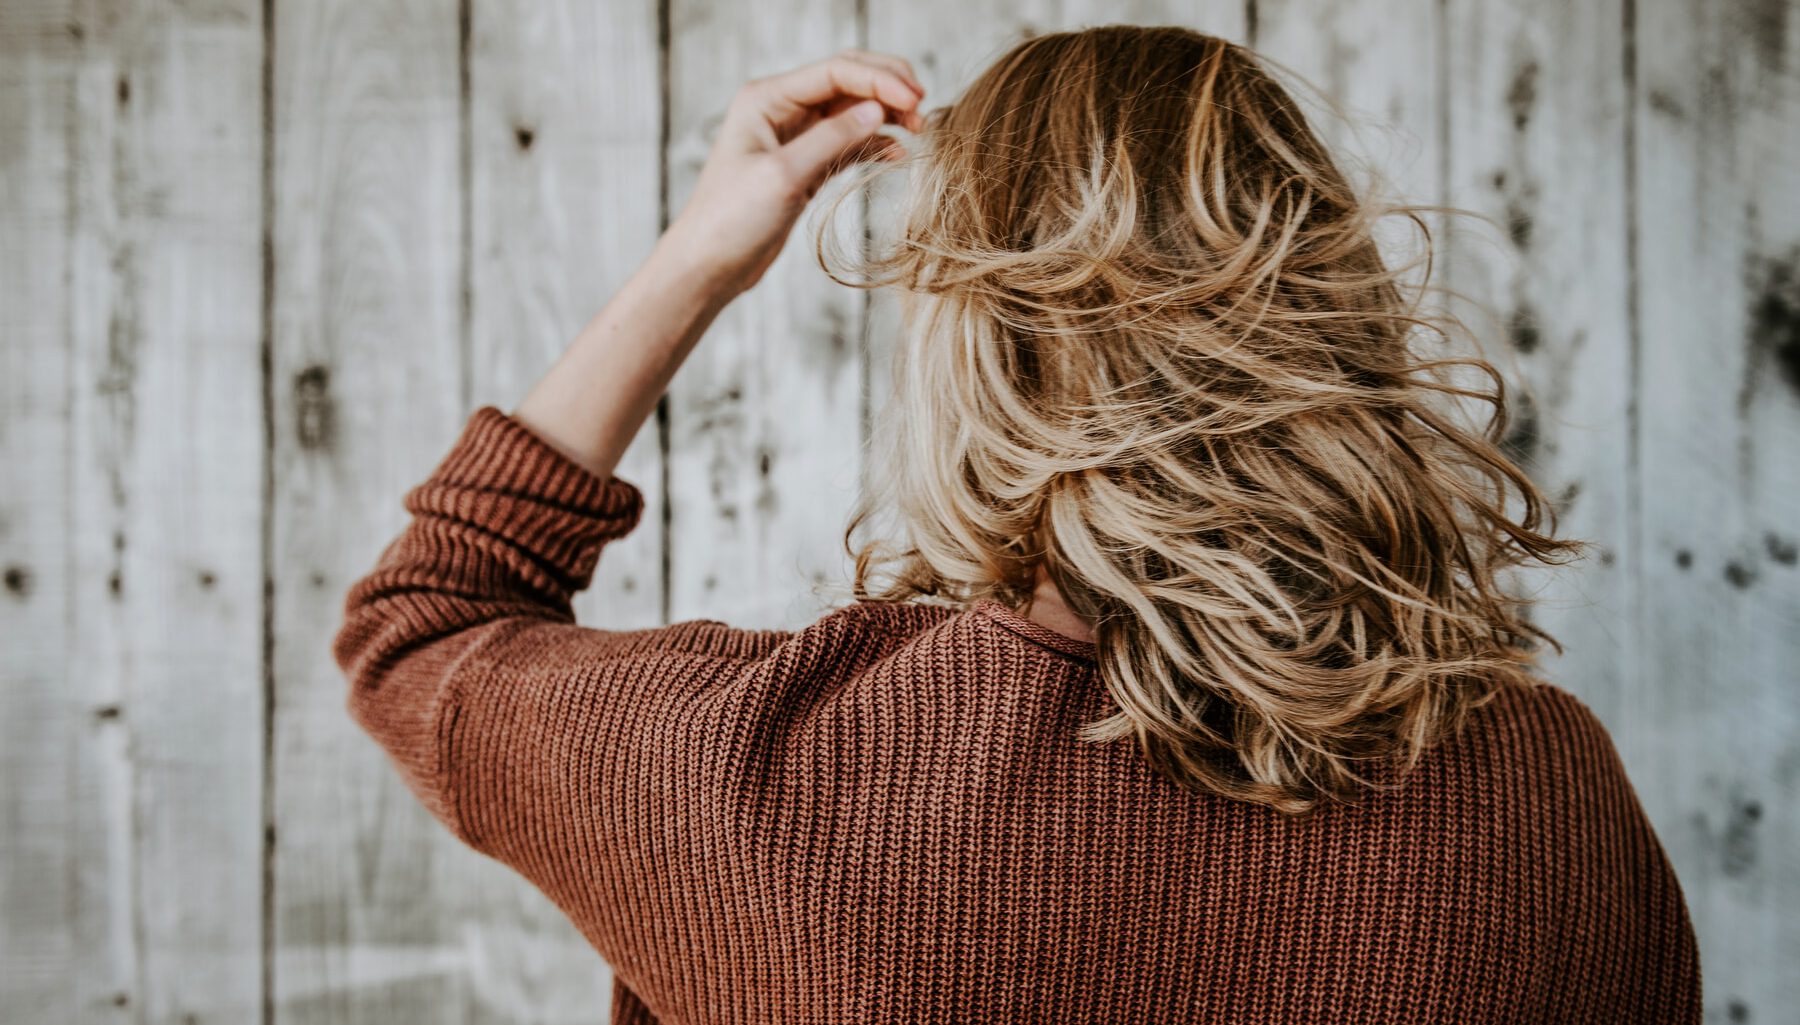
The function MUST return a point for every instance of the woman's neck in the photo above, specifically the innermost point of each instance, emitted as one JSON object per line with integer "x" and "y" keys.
{"x": 1047, "y": 609}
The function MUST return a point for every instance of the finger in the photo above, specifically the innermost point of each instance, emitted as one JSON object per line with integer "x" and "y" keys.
{"x": 898, "y": 65}
{"x": 815, "y": 153}
{"x": 911, "y": 120}
{"x": 782, "y": 96}
{"x": 875, "y": 147}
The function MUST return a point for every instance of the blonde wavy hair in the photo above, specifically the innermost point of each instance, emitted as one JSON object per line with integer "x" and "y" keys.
{"x": 1150, "y": 346}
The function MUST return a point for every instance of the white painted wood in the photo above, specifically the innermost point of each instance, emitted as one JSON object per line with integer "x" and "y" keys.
{"x": 1538, "y": 145}
{"x": 59, "y": 959}
{"x": 142, "y": 692}
{"x": 764, "y": 420}
{"x": 566, "y": 123}
{"x": 379, "y": 911}
{"x": 1714, "y": 713}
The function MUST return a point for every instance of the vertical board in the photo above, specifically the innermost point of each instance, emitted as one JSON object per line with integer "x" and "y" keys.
{"x": 764, "y": 419}
{"x": 1537, "y": 121}
{"x": 1717, "y": 237}
{"x": 60, "y": 767}
{"x": 565, "y": 187}
{"x": 154, "y": 702}
{"x": 376, "y": 906}
{"x": 1378, "y": 61}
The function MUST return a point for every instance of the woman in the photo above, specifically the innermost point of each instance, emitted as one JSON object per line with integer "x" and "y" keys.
{"x": 1216, "y": 712}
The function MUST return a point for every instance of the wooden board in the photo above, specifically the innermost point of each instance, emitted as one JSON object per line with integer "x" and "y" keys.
{"x": 373, "y": 901}
{"x": 1711, "y": 729}
{"x": 765, "y": 418}
{"x": 564, "y": 196}
{"x": 141, "y": 690}
{"x": 1537, "y": 144}
{"x": 61, "y": 774}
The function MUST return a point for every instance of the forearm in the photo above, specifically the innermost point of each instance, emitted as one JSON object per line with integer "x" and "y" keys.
{"x": 602, "y": 389}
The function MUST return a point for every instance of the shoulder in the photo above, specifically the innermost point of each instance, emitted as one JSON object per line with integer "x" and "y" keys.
{"x": 1543, "y": 727}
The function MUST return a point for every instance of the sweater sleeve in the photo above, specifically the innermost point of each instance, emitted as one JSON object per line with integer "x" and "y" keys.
{"x": 464, "y": 659}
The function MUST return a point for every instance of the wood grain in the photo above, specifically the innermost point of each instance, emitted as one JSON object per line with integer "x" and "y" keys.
{"x": 1712, "y": 726}
{"x": 564, "y": 147}
{"x": 1538, "y": 146}
{"x": 141, "y": 573}
{"x": 373, "y": 900}
{"x": 765, "y": 417}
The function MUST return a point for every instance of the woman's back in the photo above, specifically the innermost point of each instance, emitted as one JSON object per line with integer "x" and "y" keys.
{"x": 888, "y": 815}
{"x": 1152, "y": 361}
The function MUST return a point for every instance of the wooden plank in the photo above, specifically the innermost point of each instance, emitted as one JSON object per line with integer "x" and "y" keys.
{"x": 566, "y": 125}
{"x": 1378, "y": 61}
{"x": 1537, "y": 144}
{"x": 1717, "y": 240}
{"x": 57, "y": 897}
{"x": 151, "y": 680}
{"x": 764, "y": 420}
{"x": 565, "y": 182}
{"x": 377, "y": 908}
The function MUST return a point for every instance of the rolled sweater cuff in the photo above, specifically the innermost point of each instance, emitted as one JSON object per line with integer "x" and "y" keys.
{"x": 504, "y": 481}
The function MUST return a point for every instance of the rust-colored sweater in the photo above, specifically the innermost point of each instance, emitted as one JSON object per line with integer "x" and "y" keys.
{"x": 887, "y": 817}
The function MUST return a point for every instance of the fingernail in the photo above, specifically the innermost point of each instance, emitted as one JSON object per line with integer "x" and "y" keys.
{"x": 867, "y": 113}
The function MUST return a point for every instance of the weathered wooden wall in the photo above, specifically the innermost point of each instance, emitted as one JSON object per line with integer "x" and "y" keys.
{"x": 258, "y": 260}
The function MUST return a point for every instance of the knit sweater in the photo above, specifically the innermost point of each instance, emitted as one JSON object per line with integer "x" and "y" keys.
{"x": 887, "y": 816}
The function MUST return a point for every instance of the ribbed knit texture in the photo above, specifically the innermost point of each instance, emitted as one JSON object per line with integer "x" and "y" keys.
{"x": 887, "y": 817}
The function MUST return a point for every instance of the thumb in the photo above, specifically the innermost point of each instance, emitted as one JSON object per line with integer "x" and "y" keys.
{"x": 815, "y": 153}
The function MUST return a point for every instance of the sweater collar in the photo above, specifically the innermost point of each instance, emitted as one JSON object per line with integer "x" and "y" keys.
{"x": 1037, "y": 633}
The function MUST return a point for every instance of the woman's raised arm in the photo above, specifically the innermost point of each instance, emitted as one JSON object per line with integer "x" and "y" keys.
{"x": 782, "y": 137}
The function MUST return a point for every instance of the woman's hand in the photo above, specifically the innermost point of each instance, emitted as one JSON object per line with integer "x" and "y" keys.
{"x": 782, "y": 137}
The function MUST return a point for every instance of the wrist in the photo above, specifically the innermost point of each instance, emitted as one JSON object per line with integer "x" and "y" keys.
{"x": 684, "y": 255}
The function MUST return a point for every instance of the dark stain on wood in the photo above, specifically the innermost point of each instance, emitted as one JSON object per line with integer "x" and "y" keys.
{"x": 766, "y": 499}
{"x": 1522, "y": 438}
{"x": 1664, "y": 102}
{"x": 831, "y": 344}
{"x": 1684, "y": 559}
{"x": 1522, "y": 328}
{"x": 207, "y": 579}
{"x": 1521, "y": 93}
{"x": 1738, "y": 844}
{"x": 524, "y": 135}
{"x": 1780, "y": 549}
{"x": 117, "y": 384}
{"x": 1739, "y": 575}
{"x": 315, "y": 412}
{"x": 115, "y": 584}
{"x": 1737, "y": 1010}
{"x": 1773, "y": 332}
{"x": 1766, "y": 21}
{"x": 124, "y": 91}
{"x": 1519, "y": 222}
{"x": 18, "y": 581}
{"x": 107, "y": 712}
